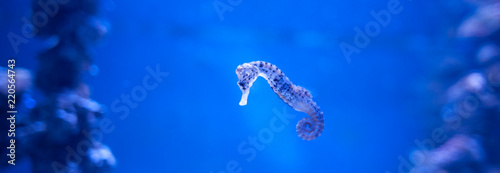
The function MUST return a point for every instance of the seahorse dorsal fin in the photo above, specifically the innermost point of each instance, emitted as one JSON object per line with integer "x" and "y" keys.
{"x": 305, "y": 91}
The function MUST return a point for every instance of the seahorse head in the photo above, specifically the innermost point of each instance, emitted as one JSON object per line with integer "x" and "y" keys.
{"x": 247, "y": 74}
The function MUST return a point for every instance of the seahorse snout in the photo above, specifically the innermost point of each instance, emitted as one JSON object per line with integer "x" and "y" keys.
{"x": 244, "y": 97}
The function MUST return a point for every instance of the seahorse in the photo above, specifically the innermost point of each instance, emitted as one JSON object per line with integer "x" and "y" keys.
{"x": 295, "y": 96}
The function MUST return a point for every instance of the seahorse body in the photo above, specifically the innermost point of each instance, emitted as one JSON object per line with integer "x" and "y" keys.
{"x": 297, "y": 97}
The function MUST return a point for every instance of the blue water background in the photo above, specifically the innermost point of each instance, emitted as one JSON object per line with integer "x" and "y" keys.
{"x": 374, "y": 107}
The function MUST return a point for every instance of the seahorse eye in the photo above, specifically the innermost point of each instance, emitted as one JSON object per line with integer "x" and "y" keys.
{"x": 242, "y": 84}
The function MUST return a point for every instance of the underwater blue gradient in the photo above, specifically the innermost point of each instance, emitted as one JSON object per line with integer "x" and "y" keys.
{"x": 374, "y": 106}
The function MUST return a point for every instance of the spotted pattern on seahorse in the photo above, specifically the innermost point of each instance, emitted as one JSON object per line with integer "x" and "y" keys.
{"x": 297, "y": 97}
